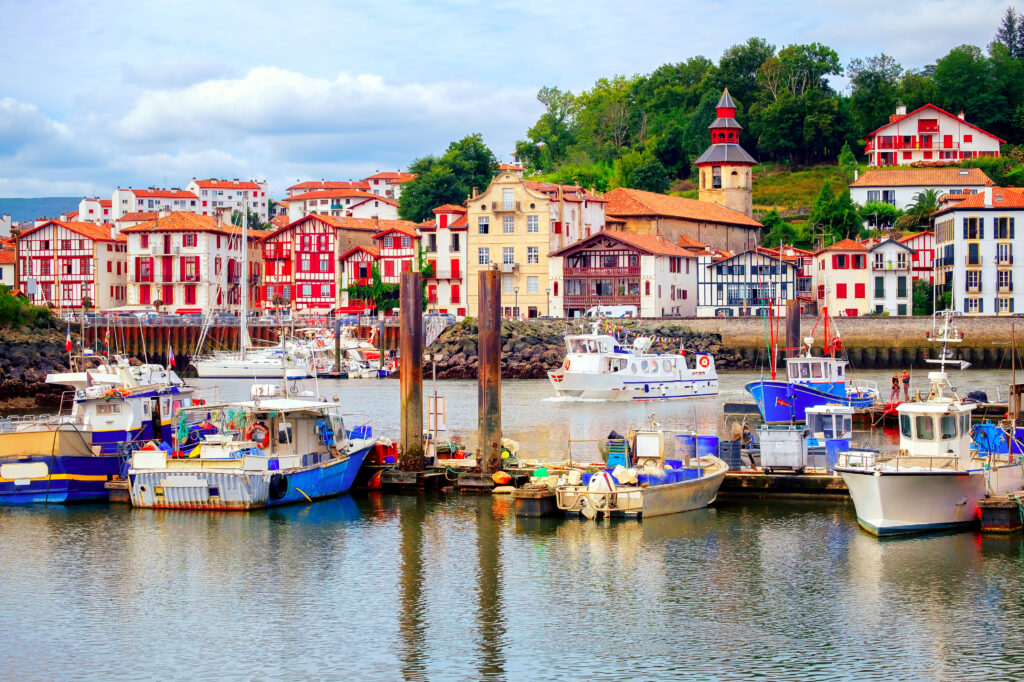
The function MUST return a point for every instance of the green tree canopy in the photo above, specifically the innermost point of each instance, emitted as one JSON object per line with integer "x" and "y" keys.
{"x": 777, "y": 230}
{"x": 448, "y": 179}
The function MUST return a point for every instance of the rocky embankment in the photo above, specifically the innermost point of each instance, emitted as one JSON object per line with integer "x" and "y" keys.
{"x": 26, "y": 356}
{"x": 530, "y": 349}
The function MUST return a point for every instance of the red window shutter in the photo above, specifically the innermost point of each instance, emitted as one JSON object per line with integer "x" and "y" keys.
{"x": 181, "y": 267}
{"x": 558, "y": 227}
{"x": 555, "y": 290}
{"x": 835, "y": 262}
{"x": 455, "y": 269}
{"x": 443, "y": 221}
{"x": 389, "y": 268}
{"x": 840, "y": 291}
{"x": 455, "y": 293}
{"x": 858, "y": 290}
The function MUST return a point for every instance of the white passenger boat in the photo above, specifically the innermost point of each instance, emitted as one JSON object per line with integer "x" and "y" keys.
{"x": 656, "y": 487}
{"x": 596, "y": 366}
{"x": 935, "y": 481}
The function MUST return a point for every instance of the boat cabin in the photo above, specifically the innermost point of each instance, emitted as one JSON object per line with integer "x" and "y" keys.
{"x": 811, "y": 370}
{"x": 826, "y": 422}
{"x": 936, "y": 430}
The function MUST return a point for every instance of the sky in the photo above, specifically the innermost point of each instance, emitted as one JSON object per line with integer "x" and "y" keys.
{"x": 98, "y": 95}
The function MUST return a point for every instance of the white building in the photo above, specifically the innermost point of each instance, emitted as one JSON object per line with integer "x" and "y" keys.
{"x": 190, "y": 263}
{"x": 928, "y": 135}
{"x": 320, "y": 185}
{"x": 742, "y": 285}
{"x": 892, "y": 279}
{"x": 446, "y": 251}
{"x": 975, "y": 244}
{"x": 342, "y": 203}
{"x": 898, "y": 186}
{"x": 231, "y": 195}
{"x": 7, "y": 259}
{"x": 388, "y": 184}
{"x": 94, "y": 210}
{"x": 61, "y": 263}
{"x": 134, "y": 200}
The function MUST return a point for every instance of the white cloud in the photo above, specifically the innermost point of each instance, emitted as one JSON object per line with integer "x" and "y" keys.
{"x": 22, "y": 124}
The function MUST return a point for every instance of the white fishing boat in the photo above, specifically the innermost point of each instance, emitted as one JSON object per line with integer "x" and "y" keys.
{"x": 935, "y": 480}
{"x": 598, "y": 367}
{"x": 654, "y": 486}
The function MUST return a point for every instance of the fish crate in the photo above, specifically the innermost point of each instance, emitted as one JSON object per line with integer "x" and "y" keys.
{"x": 783, "y": 447}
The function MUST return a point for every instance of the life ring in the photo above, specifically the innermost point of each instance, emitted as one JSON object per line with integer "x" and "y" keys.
{"x": 320, "y": 343}
{"x": 704, "y": 361}
{"x": 567, "y": 365}
{"x": 278, "y": 486}
{"x": 258, "y": 433}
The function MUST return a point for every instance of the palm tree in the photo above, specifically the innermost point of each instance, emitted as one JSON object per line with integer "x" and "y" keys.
{"x": 919, "y": 213}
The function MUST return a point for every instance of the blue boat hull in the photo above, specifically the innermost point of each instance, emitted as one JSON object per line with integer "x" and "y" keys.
{"x": 71, "y": 478}
{"x": 781, "y": 401}
{"x": 332, "y": 478}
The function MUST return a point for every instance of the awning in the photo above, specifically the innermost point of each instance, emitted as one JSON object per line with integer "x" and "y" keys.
{"x": 350, "y": 309}
{"x": 188, "y": 311}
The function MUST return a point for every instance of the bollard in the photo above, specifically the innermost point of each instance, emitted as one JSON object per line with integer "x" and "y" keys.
{"x": 489, "y": 391}
{"x": 410, "y": 371}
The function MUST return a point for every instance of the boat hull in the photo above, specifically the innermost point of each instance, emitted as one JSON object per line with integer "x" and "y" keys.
{"x": 335, "y": 477}
{"x": 217, "y": 370}
{"x": 589, "y": 386}
{"x": 909, "y": 502}
{"x": 60, "y": 479}
{"x": 781, "y": 401}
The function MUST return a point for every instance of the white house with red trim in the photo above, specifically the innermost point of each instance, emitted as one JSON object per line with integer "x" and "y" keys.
{"x": 152, "y": 199}
{"x": 94, "y": 210}
{"x": 922, "y": 259}
{"x": 842, "y": 275}
{"x": 928, "y": 135}
{"x": 446, "y": 251}
{"x": 356, "y": 269}
{"x": 388, "y": 184}
{"x": 342, "y": 203}
{"x": 62, "y": 262}
{"x": 320, "y": 185}
{"x": 397, "y": 247}
{"x": 231, "y": 195}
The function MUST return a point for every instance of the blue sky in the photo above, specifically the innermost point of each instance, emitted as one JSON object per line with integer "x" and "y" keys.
{"x": 99, "y": 94}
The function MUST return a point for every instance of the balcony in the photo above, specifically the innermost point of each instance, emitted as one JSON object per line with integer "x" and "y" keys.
{"x": 510, "y": 267}
{"x": 144, "y": 279}
{"x": 447, "y": 274}
{"x": 190, "y": 278}
{"x": 890, "y": 265}
{"x": 1008, "y": 260}
{"x": 277, "y": 251}
{"x": 915, "y": 143}
{"x": 505, "y": 207}
{"x": 631, "y": 271}
{"x": 591, "y": 300}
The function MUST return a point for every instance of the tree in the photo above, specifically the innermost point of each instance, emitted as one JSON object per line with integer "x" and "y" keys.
{"x": 550, "y": 137}
{"x": 448, "y": 179}
{"x": 1011, "y": 33}
{"x": 255, "y": 223}
{"x": 777, "y": 230}
{"x": 847, "y": 163}
{"x": 874, "y": 84}
{"x": 382, "y": 296}
{"x": 879, "y": 214}
{"x": 738, "y": 67}
{"x": 920, "y": 211}
{"x": 922, "y": 297}
{"x": 650, "y": 176}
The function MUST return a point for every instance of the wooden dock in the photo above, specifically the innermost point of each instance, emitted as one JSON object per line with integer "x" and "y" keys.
{"x": 1002, "y": 513}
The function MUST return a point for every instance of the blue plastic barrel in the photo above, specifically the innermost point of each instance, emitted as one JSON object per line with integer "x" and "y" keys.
{"x": 686, "y": 446}
{"x": 586, "y": 479}
{"x": 707, "y": 446}
{"x": 833, "y": 447}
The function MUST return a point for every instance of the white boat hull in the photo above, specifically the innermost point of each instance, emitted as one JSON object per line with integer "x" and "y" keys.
{"x": 631, "y": 387}
{"x": 246, "y": 369}
{"x": 902, "y": 502}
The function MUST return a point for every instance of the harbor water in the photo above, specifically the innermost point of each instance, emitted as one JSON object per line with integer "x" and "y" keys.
{"x": 455, "y": 587}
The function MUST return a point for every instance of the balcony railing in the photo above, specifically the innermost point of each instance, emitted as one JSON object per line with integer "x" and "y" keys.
{"x": 1005, "y": 261}
{"x": 505, "y": 207}
{"x": 144, "y": 279}
{"x": 447, "y": 274}
{"x": 890, "y": 265}
{"x": 898, "y": 145}
{"x": 591, "y": 300}
{"x": 510, "y": 267}
{"x": 602, "y": 272}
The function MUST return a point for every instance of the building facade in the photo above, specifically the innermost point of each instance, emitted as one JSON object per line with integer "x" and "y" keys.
{"x": 446, "y": 250}
{"x": 744, "y": 284}
{"x": 842, "y": 276}
{"x": 62, "y": 263}
{"x": 922, "y": 262}
{"x": 928, "y": 135}
{"x": 133, "y": 200}
{"x": 94, "y": 210}
{"x": 898, "y": 186}
{"x": 320, "y": 185}
{"x": 350, "y": 203}
{"x": 231, "y": 196}
{"x": 388, "y": 184}
{"x": 513, "y": 225}
{"x": 891, "y": 278}
{"x": 975, "y": 241}
{"x": 613, "y": 268}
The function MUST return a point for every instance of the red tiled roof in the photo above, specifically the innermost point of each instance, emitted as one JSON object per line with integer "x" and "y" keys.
{"x": 510, "y": 167}
{"x": 341, "y": 193}
{"x": 941, "y": 111}
{"x": 185, "y": 221}
{"x": 569, "y": 192}
{"x": 163, "y": 194}
{"x": 371, "y": 225}
{"x": 689, "y": 243}
{"x": 408, "y": 229}
{"x": 105, "y": 203}
{"x": 314, "y": 185}
{"x": 949, "y": 176}
{"x": 226, "y": 184}
{"x": 372, "y": 250}
{"x": 651, "y": 243}
{"x": 634, "y": 202}
{"x": 72, "y": 215}
{"x": 138, "y": 216}
{"x": 393, "y": 178}
{"x": 463, "y": 221}
{"x": 1001, "y": 198}
{"x": 7, "y": 256}
{"x": 908, "y": 237}
{"x": 450, "y": 208}
{"x": 279, "y": 220}
{"x": 100, "y": 233}
{"x": 845, "y": 245}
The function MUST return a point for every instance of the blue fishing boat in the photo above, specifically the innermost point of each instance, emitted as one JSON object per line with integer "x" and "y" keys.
{"x": 810, "y": 381}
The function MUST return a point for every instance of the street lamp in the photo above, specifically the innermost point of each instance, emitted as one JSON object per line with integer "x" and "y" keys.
{"x": 515, "y": 310}
{"x": 547, "y": 292}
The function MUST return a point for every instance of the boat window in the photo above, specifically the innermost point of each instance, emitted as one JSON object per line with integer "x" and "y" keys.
{"x": 948, "y": 427}
{"x": 109, "y": 408}
{"x": 905, "y": 425}
{"x": 284, "y": 432}
{"x": 805, "y": 370}
{"x": 925, "y": 428}
{"x": 668, "y": 365}
{"x": 828, "y": 370}
{"x": 965, "y": 423}
{"x": 816, "y": 370}
{"x": 839, "y": 370}
{"x": 633, "y": 368}
{"x": 643, "y": 365}
{"x": 847, "y": 424}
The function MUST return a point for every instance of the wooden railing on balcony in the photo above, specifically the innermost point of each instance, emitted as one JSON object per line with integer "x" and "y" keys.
{"x": 602, "y": 272}
{"x": 589, "y": 301}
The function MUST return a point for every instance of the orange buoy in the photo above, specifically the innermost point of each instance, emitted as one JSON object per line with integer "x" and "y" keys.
{"x": 374, "y": 483}
{"x": 501, "y": 478}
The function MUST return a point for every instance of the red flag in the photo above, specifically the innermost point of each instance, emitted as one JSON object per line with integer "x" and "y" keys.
{"x": 170, "y": 357}
{"x": 779, "y": 402}
{"x": 67, "y": 344}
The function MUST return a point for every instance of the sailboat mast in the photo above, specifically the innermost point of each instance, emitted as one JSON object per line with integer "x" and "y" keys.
{"x": 243, "y": 278}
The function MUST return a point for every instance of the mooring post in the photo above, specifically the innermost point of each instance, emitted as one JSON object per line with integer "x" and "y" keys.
{"x": 410, "y": 372}
{"x": 337, "y": 344}
{"x": 792, "y": 328}
{"x": 489, "y": 352}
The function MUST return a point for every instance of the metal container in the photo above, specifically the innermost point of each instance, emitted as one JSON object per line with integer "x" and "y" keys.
{"x": 783, "y": 447}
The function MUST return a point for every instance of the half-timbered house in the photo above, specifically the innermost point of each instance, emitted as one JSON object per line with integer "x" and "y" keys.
{"x": 744, "y": 284}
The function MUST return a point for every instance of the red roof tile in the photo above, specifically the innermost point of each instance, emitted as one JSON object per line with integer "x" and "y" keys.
{"x": 372, "y": 250}
{"x": 138, "y": 216}
{"x": 341, "y": 193}
{"x": 163, "y": 194}
{"x": 226, "y": 184}
{"x": 1001, "y": 198}
{"x": 845, "y": 245}
{"x": 314, "y": 185}
{"x": 185, "y": 221}
{"x": 941, "y": 111}
{"x": 450, "y": 208}
{"x": 949, "y": 176}
{"x": 908, "y": 237}
{"x": 7, "y": 256}
{"x": 624, "y": 202}
{"x": 654, "y": 244}
{"x": 393, "y": 178}
{"x": 100, "y": 233}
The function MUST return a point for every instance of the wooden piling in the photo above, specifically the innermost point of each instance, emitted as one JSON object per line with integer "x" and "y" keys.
{"x": 410, "y": 372}
{"x": 489, "y": 387}
{"x": 792, "y": 328}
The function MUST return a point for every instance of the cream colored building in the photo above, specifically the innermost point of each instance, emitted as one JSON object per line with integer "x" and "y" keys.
{"x": 842, "y": 276}
{"x": 513, "y": 225}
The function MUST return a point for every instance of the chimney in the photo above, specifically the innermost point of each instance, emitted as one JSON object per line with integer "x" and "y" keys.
{"x": 474, "y": 192}
{"x": 901, "y": 109}
{"x": 961, "y": 115}
{"x": 164, "y": 211}
{"x": 376, "y": 222}
{"x": 988, "y": 197}
{"x": 856, "y": 174}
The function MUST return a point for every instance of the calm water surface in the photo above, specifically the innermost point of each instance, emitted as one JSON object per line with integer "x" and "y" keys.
{"x": 456, "y": 587}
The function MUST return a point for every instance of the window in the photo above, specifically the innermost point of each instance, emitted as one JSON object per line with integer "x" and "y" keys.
{"x": 508, "y": 255}
{"x": 189, "y": 240}
{"x": 455, "y": 293}
{"x": 925, "y": 428}
{"x": 1003, "y": 254}
{"x": 973, "y": 305}
{"x": 455, "y": 243}
{"x": 840, "y": 261}
{"x": 901, "y": 287}
{"x": 974, "y": 279}
{"x": 905, "y": 425}
{"x": 532, "y": 284}
{"x": 483, "y": 224}
{"x": 307, "y": 290}
{"x": 508, "y": 224}
{"x": 406, "y": 242}
{"x": 325, "y": 262}
{"x": 304, "y": 263}
{"x": 1005, "y": 304}
{"x": 973, "y": 254}
{"x": 873, "y": 195}
{"x": 840, "y": 291}
{"x": 507, "y": 285}
{"x": 1003, "y": 228}
{"x": 144, "y": 241}
{"x": 969, "y": 138}
{"x": 190, "y": 294}
{"x": 483, "y": 255}
{"x": 974, "y": 228}
{"x": 1005, "y": 280}
{"x": 879, "y": 287}
{"x": 532, "y": 223}
{"x": 508, "y": 199}
{"x": 532, "y": 255}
